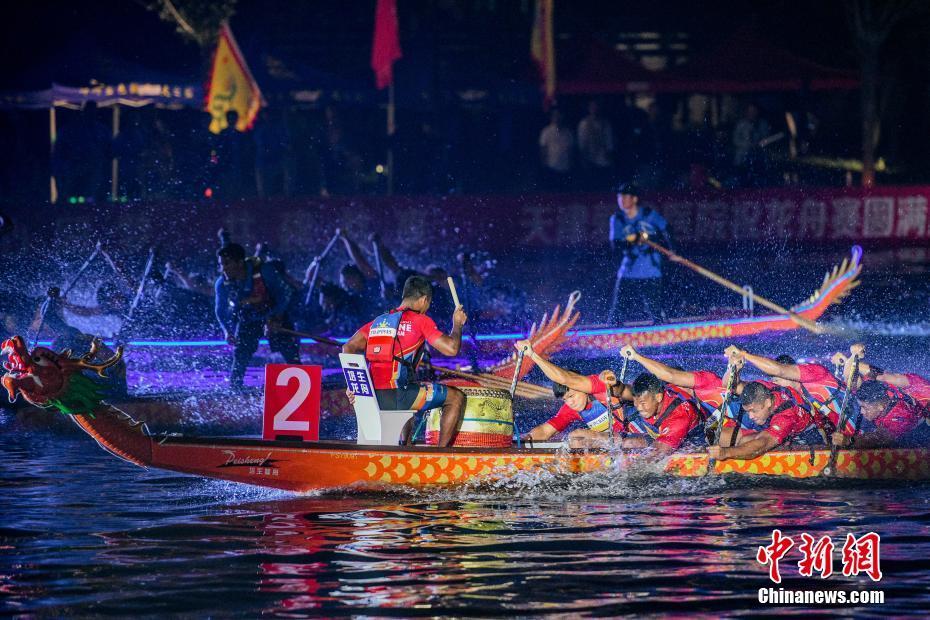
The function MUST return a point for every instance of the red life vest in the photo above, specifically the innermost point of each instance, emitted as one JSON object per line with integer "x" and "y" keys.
{"x": 382, "y": 337}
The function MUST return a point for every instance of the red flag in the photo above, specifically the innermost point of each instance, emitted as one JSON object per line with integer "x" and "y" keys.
{"x": 542, "y": 47}
{"x": 385, "y": 48}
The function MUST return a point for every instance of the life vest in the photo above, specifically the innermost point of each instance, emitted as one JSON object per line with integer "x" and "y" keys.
{"x": 596, "y": 416}
{"x": 252, "y": 297}
{"x": 895, "y": 396}
{"x": 636, "y": 424}
{"x": 818, "y": 408}
{"x": 383, "y": 343}
{"x": 258, "y": 296}
{"x": 382, "y": 337}
{"x": 822, "y": 427}
{"x": 704, "y": 410}
{"x": 816, "y": 433}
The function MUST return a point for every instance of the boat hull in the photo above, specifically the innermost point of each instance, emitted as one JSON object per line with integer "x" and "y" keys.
{"x": 310, "y": 466}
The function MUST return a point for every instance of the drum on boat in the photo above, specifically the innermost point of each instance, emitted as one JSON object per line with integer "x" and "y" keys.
{"x": 487, "y": 423}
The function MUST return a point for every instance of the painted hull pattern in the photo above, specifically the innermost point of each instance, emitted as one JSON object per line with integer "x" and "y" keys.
{"x": 836, "y": 285}
{"x": 313, "y": 466}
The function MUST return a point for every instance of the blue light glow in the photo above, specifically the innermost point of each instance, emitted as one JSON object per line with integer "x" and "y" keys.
{"x": 605, "y": 331}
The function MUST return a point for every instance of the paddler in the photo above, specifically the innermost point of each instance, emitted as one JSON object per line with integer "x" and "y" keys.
{"x": 892, "y": 406}
{"x": 393, "y": 344}
{"x": 584, "y": 399}
{"x": 661, "y": 421}
{"x": 823, "y": 391}
{"x": 252, "y": 298}
{"x": 887, "y": 418}
{"x": 774, "y": 413}
{"x": 702, "y": 387}
{"x": 913, "y": 385}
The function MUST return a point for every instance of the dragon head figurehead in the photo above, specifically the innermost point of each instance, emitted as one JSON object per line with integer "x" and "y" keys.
{"x": 37, "y": 375}
{"x": 49, "y": 379}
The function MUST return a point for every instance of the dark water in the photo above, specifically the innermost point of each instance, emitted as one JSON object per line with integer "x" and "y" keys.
{"x": 86, "y": 534}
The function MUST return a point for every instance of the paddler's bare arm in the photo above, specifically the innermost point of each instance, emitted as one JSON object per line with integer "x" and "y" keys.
{"x": 791, "y": 372}
{"x": 757, "y": 446}
{"x": 356, "y": 343}
{"x": 681, "y": 378}
{"x": 657, "y": 449}
{"x": 622, "y": 391}
{"x": 735, "y": 366}
{"x": 726, "y": 435}
{"x": 543, "y": 432}
{"x": 878, "y": 439}
{"x": 451, "y": 344}
{"x": 569, "y": 379}
{"x": 866, "y": 370}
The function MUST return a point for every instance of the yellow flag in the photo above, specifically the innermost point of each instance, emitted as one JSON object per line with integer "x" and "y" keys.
{"x": 231, "y": 86}
{"x": 542, "y": 47}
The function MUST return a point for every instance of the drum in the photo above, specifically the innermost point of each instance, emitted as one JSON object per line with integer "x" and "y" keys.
{"x": 488, "y": 420}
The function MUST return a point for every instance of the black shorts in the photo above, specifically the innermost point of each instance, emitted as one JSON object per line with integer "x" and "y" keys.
{"x": 416, "y": 396}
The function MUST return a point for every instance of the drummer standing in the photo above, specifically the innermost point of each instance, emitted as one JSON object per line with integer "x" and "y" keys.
{"x": 393, "y": 344}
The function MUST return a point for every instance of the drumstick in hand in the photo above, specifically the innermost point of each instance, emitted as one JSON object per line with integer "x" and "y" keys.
{"x": 455, "y": 295}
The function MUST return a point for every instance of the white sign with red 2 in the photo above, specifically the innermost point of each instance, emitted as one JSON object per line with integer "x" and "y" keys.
{"x": 292, "y": 401}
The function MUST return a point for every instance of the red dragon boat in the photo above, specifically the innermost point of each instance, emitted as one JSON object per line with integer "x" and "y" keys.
{"x": 60, "y": 381}
{"x": 311, "y": 466}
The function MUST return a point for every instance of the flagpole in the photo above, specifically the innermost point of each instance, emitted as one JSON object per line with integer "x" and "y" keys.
{"x": 390, "y": 137}
{"x": 114, "y": 164}
{"x": 52, "y": 139}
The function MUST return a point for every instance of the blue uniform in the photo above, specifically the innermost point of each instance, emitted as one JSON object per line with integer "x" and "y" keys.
{"x": 640, "y": 262}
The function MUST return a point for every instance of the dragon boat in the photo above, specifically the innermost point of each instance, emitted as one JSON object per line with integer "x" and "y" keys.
{"x": 311, "y": 466}
{"x": 594, "y": 340}
{"x": 556, "y": 331}
{"x": 836, "y": 285}
{"x": 65, "y": 383}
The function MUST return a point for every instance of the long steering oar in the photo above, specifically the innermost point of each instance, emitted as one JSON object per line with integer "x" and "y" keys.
{"x": 844, "y": 412}
{"x": 736, "y": 288}
{"x": 733, "y": 377}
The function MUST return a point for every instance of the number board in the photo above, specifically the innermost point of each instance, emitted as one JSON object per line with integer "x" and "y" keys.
{"x": 292, "y": 401}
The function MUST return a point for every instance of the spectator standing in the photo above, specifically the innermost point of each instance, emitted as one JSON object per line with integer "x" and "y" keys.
{"x": 556, "y": 150}
{"x": 596, "y": 145}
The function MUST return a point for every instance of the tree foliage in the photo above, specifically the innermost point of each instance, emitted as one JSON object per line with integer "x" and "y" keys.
{"x": 197, "y": 20}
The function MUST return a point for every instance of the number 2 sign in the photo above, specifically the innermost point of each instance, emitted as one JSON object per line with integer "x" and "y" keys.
{"x": 292, "y": 401}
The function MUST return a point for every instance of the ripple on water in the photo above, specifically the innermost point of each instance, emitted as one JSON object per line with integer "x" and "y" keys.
{"x": 86, "y": 534}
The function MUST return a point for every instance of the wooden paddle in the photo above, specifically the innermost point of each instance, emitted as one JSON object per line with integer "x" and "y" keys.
{"x": 610, "y": 405}
{"x": 707, "y": 273}
{"x": 320, "y": 339}
{"x": 455, "y": 295}
{"x": 733, "y": 377}
{"x": 851, "y": 379}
